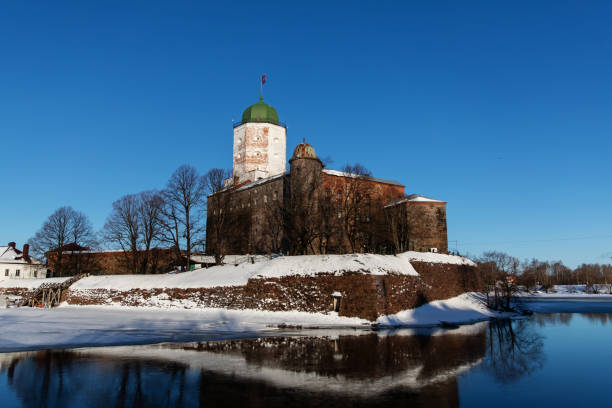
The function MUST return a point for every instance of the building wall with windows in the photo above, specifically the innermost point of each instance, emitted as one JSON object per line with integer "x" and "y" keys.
{"x": 350, "y": 212}
{"x": 17, "y": 264}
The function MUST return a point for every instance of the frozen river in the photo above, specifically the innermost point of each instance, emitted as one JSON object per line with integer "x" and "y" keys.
{"x": 549, "y": 359}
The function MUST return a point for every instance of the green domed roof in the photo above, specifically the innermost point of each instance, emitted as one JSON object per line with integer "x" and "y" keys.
{"x": 260, "y": 112}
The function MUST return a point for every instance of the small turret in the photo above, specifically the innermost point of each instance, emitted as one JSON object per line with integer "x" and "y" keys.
{"x": 305, "y": 151}
{"x": 305, "y": 169}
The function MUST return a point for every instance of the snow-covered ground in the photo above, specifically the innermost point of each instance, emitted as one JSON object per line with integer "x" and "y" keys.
{"x": 79, "y": 326}
{"x": 238, "y": 275}
{"x": 465, "y": 308}
{"x": 306, "y": 265}
{"x": 567, "y": 299}
{"x": 28, "y": 283}
{"x": 569, "y": 291}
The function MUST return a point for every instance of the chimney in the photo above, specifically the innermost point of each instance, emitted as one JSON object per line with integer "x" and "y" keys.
{"x": 26, "y": 251}
{"x": 12, "y": 245}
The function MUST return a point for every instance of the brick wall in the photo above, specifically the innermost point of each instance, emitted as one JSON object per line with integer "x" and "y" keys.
{"x": 364, "y": 296}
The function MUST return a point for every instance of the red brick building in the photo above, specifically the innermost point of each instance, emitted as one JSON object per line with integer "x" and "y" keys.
{"x": 73, "y": 259}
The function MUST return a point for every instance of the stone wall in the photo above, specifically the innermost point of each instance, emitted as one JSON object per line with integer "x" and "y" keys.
{"x": 364, "y": 296}
{"x": 108, "y": 262}
{"x": 428, "y": 228}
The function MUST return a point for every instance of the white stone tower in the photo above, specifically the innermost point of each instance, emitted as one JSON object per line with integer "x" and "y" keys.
{"x": 260, "y": 143}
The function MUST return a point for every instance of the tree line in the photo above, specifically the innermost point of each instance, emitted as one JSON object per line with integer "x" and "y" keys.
{"x": 138, "y": 226}
{"x": 503, "y": 276}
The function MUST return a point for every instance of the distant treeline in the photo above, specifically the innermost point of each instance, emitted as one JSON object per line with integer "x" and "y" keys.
{"x": 530, "y": 273}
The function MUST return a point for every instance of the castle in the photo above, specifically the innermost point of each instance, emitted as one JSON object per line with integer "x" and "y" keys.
{"x": 309, "y": 209}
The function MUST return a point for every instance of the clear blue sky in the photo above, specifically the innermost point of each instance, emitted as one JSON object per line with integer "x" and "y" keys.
{"x": 503, "y": 109}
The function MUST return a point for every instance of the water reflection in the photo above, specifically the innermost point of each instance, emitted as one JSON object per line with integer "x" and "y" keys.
{"x": 555, "y": 319}
{"x": 514, "y": 350}
{"x": 412, "y": 367}
{"x": 552, "y": 319}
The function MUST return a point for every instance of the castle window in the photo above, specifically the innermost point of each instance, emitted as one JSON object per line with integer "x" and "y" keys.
{"x": 265, "y": 198}
{"x": 327, "y": 193}
{"x": 17, "y": 272}
{"x": 36, "y": 274}
{"x": 6, "y": 272}
{"x": 275, "y": 195}
{"x": 339, "y": 195}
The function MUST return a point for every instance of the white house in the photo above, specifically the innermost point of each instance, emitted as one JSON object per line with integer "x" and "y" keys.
{"x": 16, "y": 264}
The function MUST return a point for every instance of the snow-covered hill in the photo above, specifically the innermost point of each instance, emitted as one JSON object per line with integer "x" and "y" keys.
{"x": 306, "y": 265}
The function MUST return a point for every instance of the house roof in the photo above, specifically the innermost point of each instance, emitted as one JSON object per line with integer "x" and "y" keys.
{"x": 376, "y": 179}
{"x": 414, "y": 198}
{"x": 262, "y": 181}
{"x": 10, "y": 255}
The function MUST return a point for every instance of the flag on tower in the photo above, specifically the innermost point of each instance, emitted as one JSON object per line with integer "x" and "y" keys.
{"x": 263, "y": 79}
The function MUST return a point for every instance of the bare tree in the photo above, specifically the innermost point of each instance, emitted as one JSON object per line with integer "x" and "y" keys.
{"x": 499, "y": 272}
{"x": 171, "y": 228}
{"x": 150, "y": 216}
{"x": 184, "y": 198}
{"x": 218, "y": 213}
{"x": 403, "y": 222}
{"x": 65, "y": 228}
{"x": 134, "y": 227}
{"x": 214, "y": 180}
{"x": 123, "y": 229}
{"x": 273, "y": 226}
{"x": 353, "y": 205}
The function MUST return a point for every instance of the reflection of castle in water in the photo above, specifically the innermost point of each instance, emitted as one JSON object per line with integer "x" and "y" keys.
{"x": 360, "y": 369}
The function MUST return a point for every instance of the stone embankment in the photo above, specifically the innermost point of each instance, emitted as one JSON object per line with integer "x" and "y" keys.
{"x": 379, "y": 286}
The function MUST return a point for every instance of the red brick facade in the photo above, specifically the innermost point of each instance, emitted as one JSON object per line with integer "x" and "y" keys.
{"x": 346, "y": 212}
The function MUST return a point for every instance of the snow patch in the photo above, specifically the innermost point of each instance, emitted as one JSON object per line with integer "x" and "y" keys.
{"x": 465, "y": 308}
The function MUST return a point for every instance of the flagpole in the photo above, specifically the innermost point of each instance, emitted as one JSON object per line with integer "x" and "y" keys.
{"x": 261, "y": 89}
